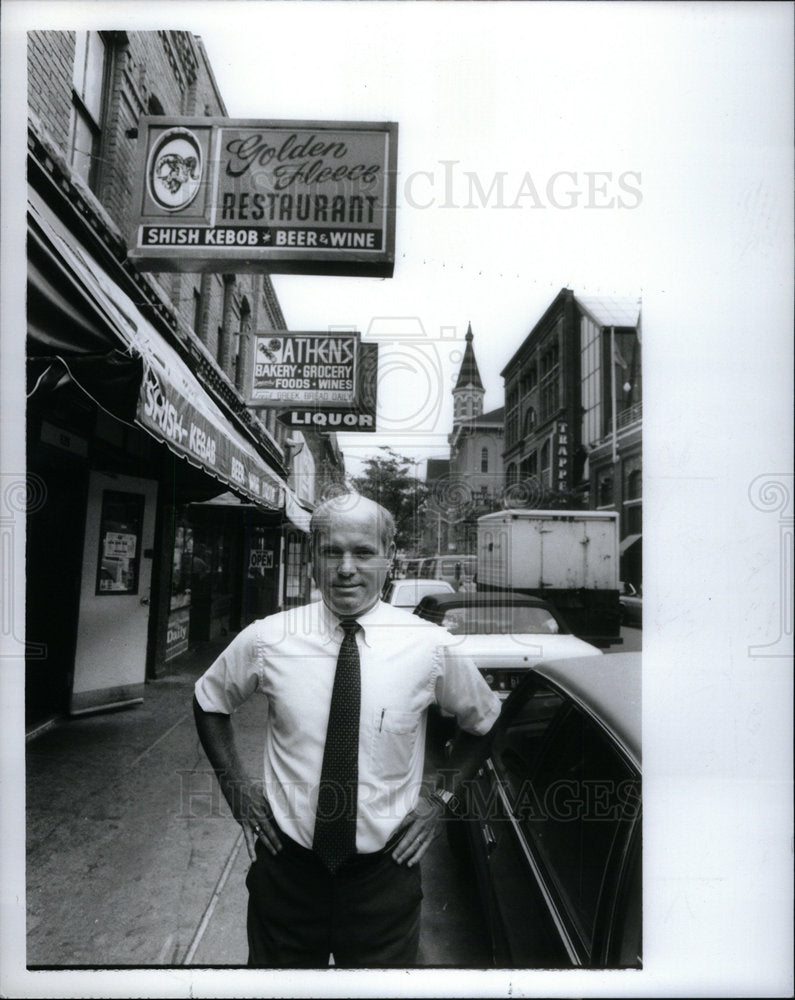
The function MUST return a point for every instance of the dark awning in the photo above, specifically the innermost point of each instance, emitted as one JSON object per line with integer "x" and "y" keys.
{"x": 295, "y": 513}
{"x": 81, "y": 319}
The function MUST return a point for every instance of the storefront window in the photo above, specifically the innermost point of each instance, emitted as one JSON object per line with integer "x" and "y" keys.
{"x": 178, "y": 625}
{"x": 182, "y": 558}
{"x": 120, "y": 530}
{"x": 292, "y": 581}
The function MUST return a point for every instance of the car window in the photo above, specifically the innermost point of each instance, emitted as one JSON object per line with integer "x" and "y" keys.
{"x": 410, "y": 592}
{"x": 500, "y": 620}
{"x": 575, "y": 797}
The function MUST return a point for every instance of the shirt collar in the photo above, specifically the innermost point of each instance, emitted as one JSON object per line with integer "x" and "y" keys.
{"x": 332, "y": 630}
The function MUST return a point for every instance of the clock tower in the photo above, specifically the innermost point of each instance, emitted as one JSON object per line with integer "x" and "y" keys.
{"x": 468, "y": 392}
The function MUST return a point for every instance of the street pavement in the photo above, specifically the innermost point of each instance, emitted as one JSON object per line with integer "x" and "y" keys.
{"x": 133, "y": 858}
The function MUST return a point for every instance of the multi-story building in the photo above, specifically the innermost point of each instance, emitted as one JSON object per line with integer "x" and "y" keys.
{"x": 573, "y": 412}
{"x": 542, "y": 408}
{"x": 163, "y": 499}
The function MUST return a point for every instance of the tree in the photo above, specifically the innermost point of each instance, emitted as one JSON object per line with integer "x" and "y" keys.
{"x": 390, "y": 479}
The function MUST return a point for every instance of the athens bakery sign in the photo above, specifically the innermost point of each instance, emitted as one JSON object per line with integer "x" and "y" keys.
{"x": 324, "y": 381}
{"x": 304, "y": 368}
{"x": 221, "y": 194}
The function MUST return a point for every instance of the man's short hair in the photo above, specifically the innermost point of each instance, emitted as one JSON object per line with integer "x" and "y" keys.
{"x": 347, "y": 502}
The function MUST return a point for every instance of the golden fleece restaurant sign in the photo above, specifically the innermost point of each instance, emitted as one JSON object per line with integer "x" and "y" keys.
{"x": 222, "y": 194}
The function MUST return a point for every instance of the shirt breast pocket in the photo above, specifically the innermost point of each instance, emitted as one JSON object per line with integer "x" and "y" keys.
{"x": 394, "y": 740}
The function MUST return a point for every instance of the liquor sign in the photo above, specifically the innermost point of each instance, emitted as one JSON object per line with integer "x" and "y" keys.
{"x": 225, "y": 194}
{"x": 303, "y": 368}
{"x": 360, "y": 415}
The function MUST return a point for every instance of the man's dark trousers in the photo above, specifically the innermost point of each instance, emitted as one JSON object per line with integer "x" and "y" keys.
{"x": 367, "y": 915}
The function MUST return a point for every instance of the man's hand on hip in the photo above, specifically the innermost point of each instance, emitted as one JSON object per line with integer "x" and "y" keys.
{"x": 251, "y": 810}
{"x": 419, "y": 830}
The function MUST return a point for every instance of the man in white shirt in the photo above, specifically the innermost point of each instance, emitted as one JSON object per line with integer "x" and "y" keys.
{"x": 338, "y": 825}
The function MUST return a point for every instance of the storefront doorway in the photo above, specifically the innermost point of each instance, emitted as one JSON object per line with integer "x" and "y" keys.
{"x": 118, "y": 550}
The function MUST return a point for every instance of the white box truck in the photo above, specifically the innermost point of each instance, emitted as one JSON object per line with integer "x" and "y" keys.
{"x": 570, "y": 558}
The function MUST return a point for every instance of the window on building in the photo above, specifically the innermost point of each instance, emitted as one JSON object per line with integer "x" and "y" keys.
{"x": 633, "y": 519}
{"x": 546, "y": 463}
{"x": 511, "y": 474}
{"x": 549, "y": 360}
{"x": 88, "y": 85}
{"x": 484, "y": 459}
{"x": 529, "y": 421}
{"x": 529, "y": 379}
{"x": 550, "y": 398}
{"x": 530, "y": 466}
{"x": 627, "y": 371}
{"x": 549, "y": 392}
{"x": 511, "y": 413}
{"x": 294, "y": 573}
{"x": 605, "y": 494}
{"x": 634, "y": 488}
{"x": 591, "y": 373}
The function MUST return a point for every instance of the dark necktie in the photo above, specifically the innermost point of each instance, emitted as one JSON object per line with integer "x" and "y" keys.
{"x": 335, "y": 820}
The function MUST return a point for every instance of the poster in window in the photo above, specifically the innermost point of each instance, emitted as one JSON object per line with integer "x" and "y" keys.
{"x": 120, "y": 530}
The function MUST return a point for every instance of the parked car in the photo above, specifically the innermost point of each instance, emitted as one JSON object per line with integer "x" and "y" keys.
{"x": 411, "y": 567}
{"x": 631, "y": 601}
{"x": 504, "y": 633}
{"x": 409, "y": 592}
{"x": 457, "y": 570}
{"x": 552, "y": 823}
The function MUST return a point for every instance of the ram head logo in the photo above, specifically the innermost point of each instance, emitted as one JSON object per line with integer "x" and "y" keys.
{"x": 173, "y": 170}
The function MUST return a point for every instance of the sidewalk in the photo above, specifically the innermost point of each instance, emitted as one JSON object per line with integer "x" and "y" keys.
{"x": 133, "y": 858}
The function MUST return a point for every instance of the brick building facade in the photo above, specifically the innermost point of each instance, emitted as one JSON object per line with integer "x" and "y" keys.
{"x": 147, "y": 538}
{"x": 573, "y": 414}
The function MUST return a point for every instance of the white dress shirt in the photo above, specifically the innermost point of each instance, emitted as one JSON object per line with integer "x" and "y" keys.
{"x": 406, "y": 666}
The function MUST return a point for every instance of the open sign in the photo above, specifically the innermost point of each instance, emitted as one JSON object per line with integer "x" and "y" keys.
{"x": 261, "y": 559}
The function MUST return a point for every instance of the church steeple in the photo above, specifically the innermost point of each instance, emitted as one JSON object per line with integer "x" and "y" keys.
{"x": 468, "y": 392}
